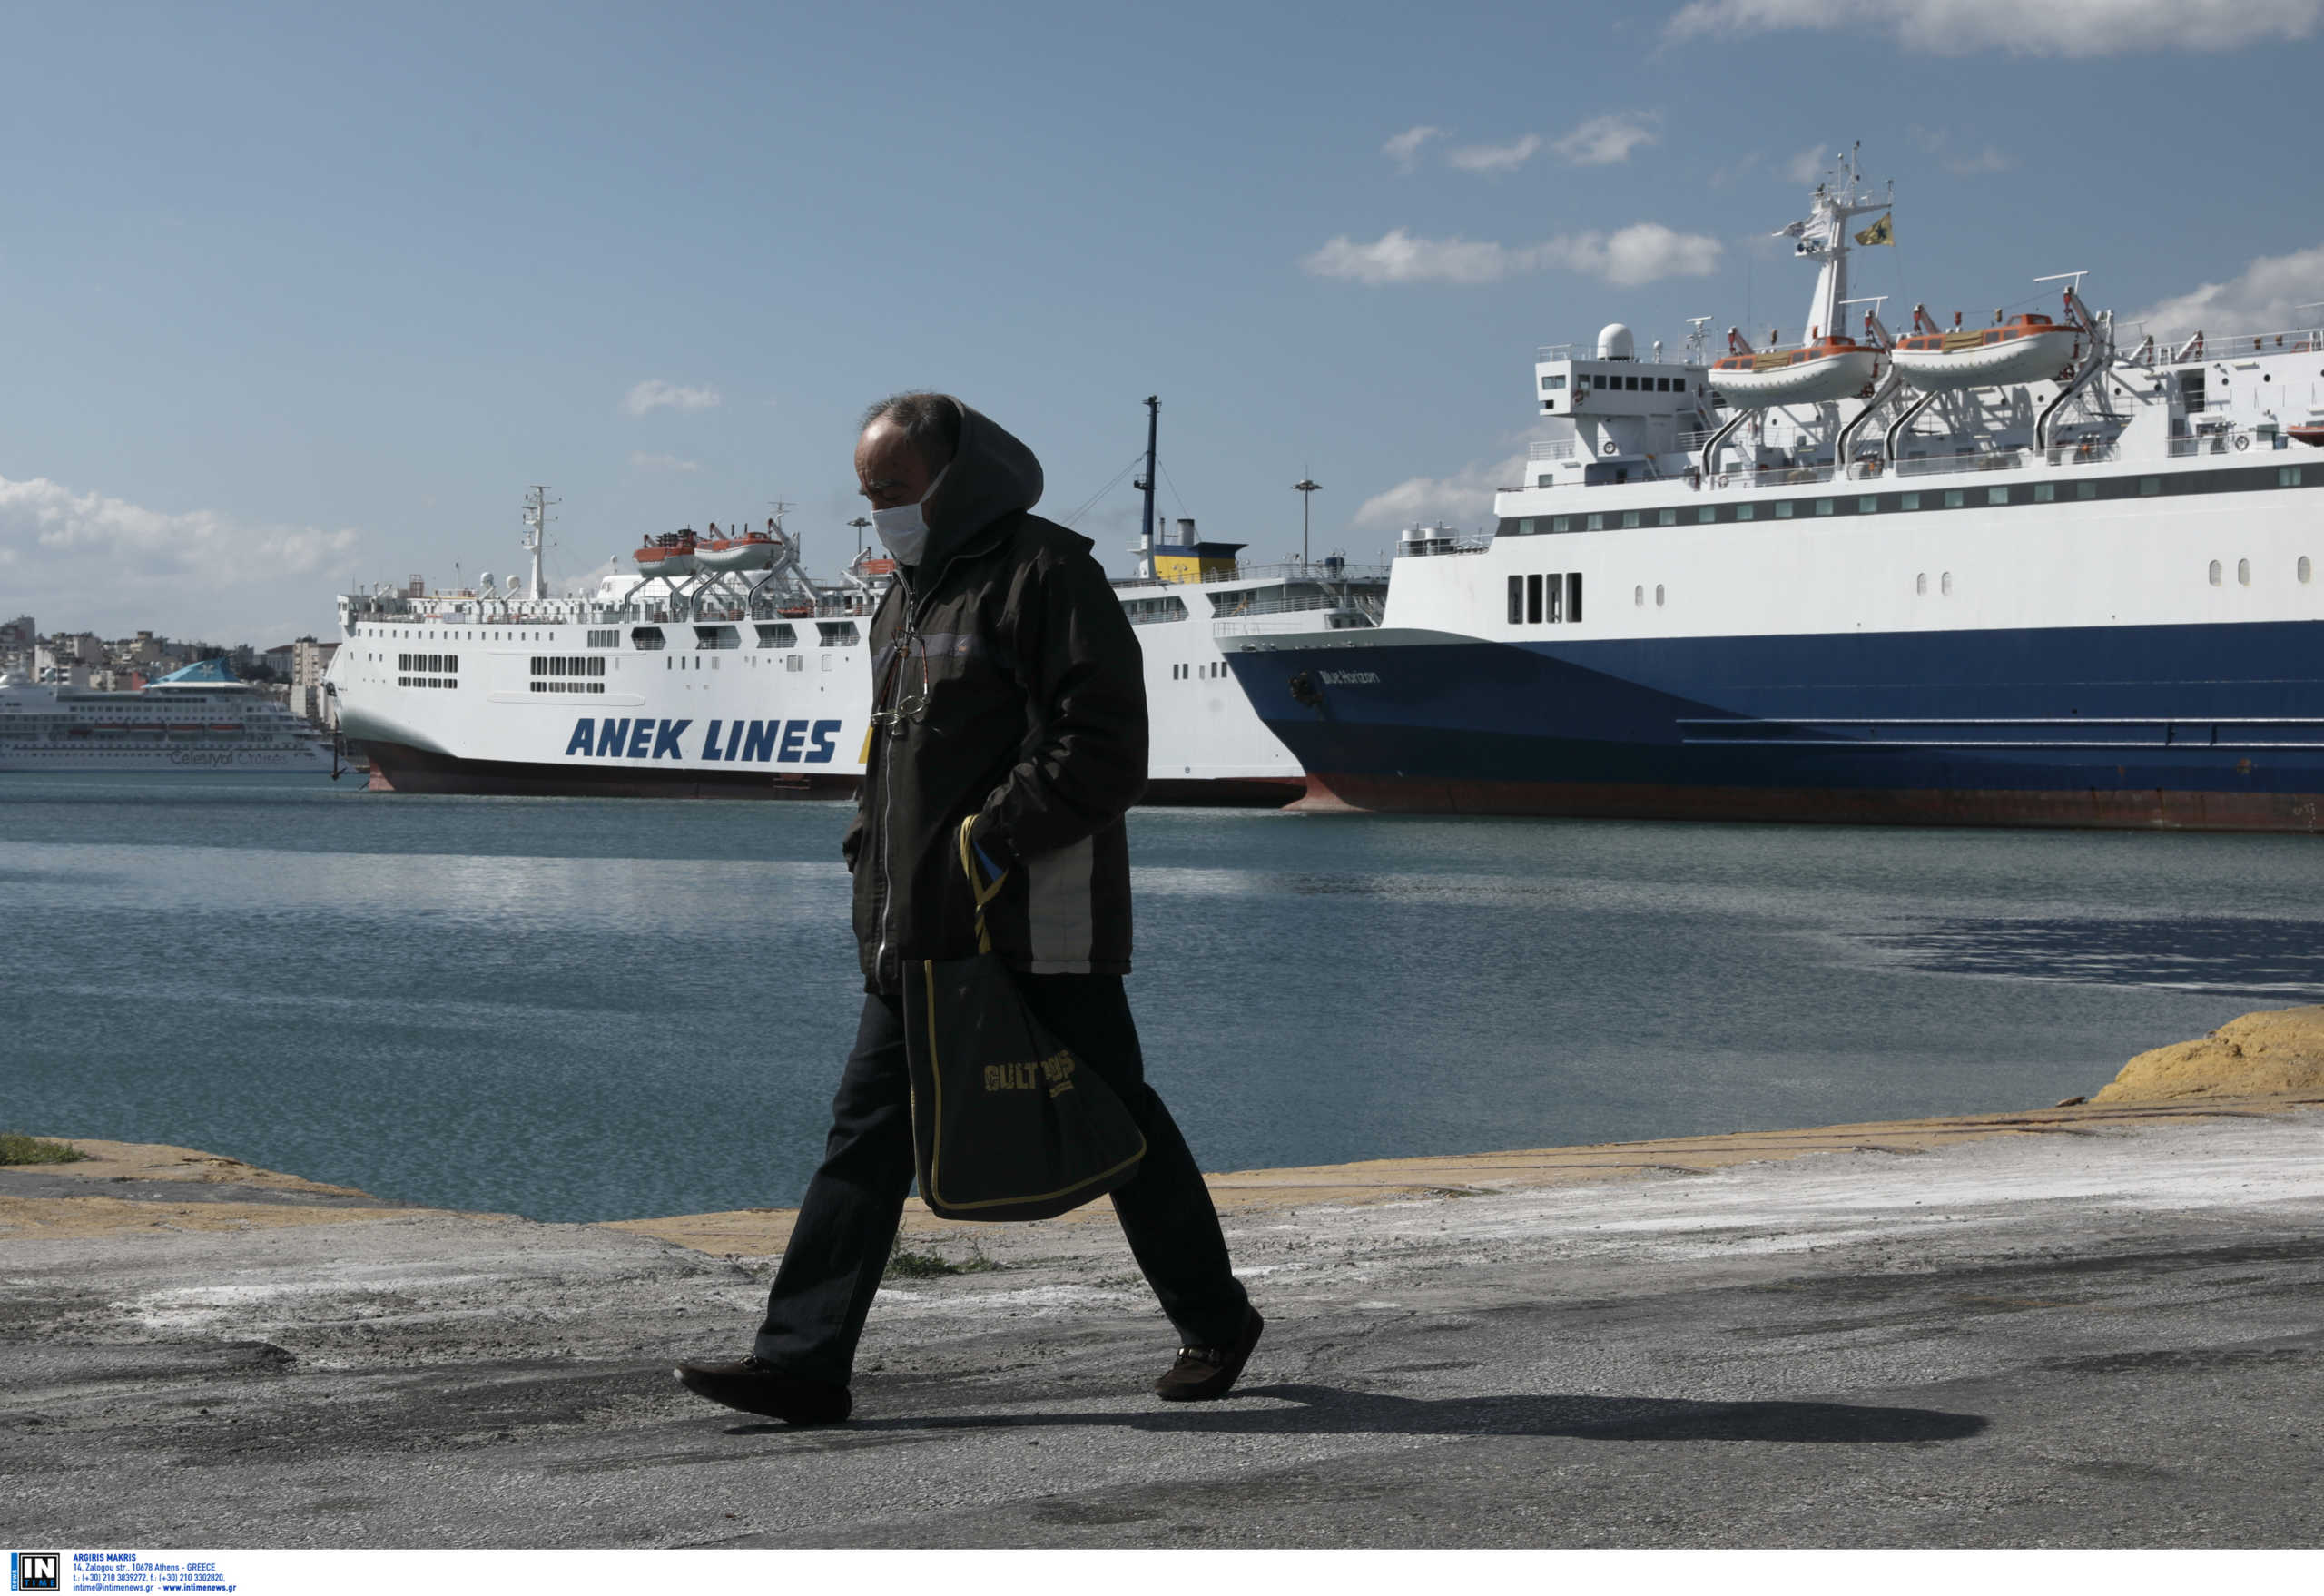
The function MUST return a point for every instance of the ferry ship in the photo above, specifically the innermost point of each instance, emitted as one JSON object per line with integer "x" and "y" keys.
{"x": 200, "y": 718}
{"x": 2046, "y": 571}
{"x": 720, "y": 669}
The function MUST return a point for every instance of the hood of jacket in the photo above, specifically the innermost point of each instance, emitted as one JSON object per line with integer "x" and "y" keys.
{"x": 991, "y": 476}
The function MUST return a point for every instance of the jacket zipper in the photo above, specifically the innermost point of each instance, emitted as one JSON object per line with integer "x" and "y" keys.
{"x": 887, "y": 793}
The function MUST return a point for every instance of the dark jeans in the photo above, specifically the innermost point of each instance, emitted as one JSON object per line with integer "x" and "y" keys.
{"x": 847, "y": 1222}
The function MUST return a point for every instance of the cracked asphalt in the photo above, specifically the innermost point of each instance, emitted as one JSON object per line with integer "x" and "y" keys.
{"x": 2107, "y": 1335}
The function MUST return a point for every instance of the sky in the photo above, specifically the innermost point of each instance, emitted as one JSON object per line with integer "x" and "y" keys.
{"x": 295, "y": 299}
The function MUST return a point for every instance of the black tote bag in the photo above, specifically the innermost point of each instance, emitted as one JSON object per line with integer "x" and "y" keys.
{"x": 1007, "y": 1122}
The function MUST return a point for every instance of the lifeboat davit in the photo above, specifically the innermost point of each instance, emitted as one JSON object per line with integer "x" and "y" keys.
{"x": 1825, "y": 369}
{"x": 667, "y": 553}
{"x": 740, "y": 551}
{"x": 2031, "y": 349}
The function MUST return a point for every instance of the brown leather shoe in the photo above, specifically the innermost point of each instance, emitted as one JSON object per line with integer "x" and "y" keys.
{"x": 753, "y": 1385}
{"x": 1206, "y": 1374}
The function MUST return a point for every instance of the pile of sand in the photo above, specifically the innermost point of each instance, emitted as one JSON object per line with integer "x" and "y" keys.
{"x": 2273, "y": 1052}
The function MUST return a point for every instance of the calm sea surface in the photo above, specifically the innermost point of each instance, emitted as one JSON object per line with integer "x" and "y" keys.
{"x": 585, "y": 1009}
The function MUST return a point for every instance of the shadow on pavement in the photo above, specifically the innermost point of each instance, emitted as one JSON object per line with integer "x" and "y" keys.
{"x": 1325, "y": 1410}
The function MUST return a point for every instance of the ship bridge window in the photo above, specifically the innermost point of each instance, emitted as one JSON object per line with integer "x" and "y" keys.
{"x": 837, "y": 634}
{"x": 777, "y": 635}
{"x": 648, "y": 638}
{"x": 1552, "y": 384}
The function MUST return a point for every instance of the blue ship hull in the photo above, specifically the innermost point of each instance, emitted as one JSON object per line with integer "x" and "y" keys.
{"x": 2214, "y": 727}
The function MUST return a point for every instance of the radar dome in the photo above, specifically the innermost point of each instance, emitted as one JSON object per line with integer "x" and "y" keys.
{"x": 484, "y": 582}
{"x": 514, "y": 582}
{"x": 1615, "y": 343}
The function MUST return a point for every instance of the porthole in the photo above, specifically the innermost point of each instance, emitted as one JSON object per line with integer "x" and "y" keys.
{"x": 2243, "y": 572}
{"x": 1920, "y": 585}
{"x": 1638, "y": 593}
{"x": 1945, "y": 583}
{"x": 2305, "y": 569}
{"x": 1657, "y": 596}
{"x": 2214, "y": 572}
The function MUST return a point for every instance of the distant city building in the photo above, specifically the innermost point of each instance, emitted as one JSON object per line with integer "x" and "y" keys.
{"x": 308, "y": 661}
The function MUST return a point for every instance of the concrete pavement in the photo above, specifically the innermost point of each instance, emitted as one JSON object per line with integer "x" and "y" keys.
{"x": 2085, "y": 1328}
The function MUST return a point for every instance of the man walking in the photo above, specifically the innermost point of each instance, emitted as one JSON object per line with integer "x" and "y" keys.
{"x": 1009, "y": 687}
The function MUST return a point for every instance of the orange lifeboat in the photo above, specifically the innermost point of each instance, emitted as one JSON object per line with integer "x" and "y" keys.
{"x": 667, "y": 553}
{"x": 2030, "y": 349}
{"x": 1829, "y": 368}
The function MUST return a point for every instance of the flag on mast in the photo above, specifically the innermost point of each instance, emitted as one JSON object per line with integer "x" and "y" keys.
{"x": 1879, "y": 232}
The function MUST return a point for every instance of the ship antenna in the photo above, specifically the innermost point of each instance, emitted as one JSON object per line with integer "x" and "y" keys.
{"x": 536, "y": 518}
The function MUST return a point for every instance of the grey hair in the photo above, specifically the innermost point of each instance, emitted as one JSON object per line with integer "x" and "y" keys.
{"x": 931, "y": 424}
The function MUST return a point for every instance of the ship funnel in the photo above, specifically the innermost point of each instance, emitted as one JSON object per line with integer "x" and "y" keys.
{"x": 1615, "y": 343}
{"x": 1186, "y": 529}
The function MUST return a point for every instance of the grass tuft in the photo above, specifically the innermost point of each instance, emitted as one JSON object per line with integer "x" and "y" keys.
{"x": 906, "y": 1266}
{"x": 16, "y": 1148}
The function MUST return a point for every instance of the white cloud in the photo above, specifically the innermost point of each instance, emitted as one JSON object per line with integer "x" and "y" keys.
{"x": 654, "y": 394}
{"x": 1506, "y": 157}
{"x": 1603, "y": 141}
{"x": 1987, "y": 160}
{"x": 1465, "y": 498}
{"x": 1643, "y": 252}
{"x": 2060, "y": 27}
{"x": 646, "y": 462}
{"x": 1405, "y": 147}
{"x": 1396, "y": 256}
{"x": 1937, "y": 141}
{"x": 1806, "y": 167}
{"x": 85, "y": 560}
{"x": 2264, "y": 296}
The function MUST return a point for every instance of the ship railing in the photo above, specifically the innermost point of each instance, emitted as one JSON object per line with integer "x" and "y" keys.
{"x": 2183, "y": 349}
{"x": 1588, "y": 351}
{"x": 1264, "y": 603}
{"x": 1315, "y": 570}
{"x": 1466, "y": 543}
{"x": 1993, "y": 460}
{"x": 1559, "y": 449}
{"x": 2208, "y": 443}
{"x": 2088, "y": 452}
{"x": 1364, "y": 617}
{"x": 1769, "y": 477}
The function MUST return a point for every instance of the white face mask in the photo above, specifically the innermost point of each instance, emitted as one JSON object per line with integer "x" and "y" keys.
{"x": 903, "y": 532}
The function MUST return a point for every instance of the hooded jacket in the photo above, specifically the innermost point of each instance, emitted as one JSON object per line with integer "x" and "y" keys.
{"x": 1033, "y": 721}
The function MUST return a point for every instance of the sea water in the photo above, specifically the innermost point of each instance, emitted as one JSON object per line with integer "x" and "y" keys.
{"x": 581, "y": 1009}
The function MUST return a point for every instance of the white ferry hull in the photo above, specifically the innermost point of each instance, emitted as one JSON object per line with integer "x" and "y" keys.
{"x": 739, "y": 721}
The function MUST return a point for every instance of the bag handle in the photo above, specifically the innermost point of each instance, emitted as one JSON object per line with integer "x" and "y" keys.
{"x": 982, "y": 893}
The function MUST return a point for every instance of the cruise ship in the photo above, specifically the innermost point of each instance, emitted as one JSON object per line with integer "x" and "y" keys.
{"x": 200, "y": 718}
{"x": 2043, "y": 570}
{"x": 719, "y": 668}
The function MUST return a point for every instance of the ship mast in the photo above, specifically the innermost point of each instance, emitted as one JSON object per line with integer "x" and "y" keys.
{"x": 1146, "y": 486}
{"x": 1824, "y": 237}
{"x": 537, "y": 507}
